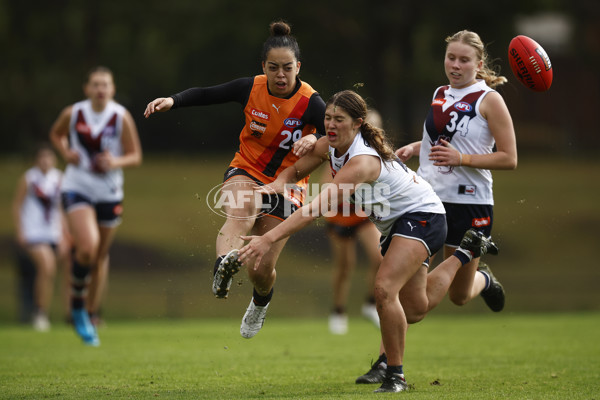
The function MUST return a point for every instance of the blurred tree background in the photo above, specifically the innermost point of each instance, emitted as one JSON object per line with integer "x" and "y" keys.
{"x": 391, "y": 50}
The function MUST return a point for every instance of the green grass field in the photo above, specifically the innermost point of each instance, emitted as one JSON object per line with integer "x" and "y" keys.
{"x": 503, "y": 356}
{"x": 546, "y": 215}
{"x": 163, "y": 338}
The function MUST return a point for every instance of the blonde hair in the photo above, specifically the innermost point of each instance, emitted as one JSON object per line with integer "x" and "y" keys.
{"x": 487, "y": 72}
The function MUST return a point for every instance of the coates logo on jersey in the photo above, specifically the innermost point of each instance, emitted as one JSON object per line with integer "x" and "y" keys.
{"x": 438, "y": 102}
{"x": 481, "y": 222}
{"x": 463, "y": 106}
{"x": 293, "y": 122}
{"x": 260, "y": 114}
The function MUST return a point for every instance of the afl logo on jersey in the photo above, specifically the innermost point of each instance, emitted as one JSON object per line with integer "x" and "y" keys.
{"x": 292, "y": 122}
{"x": 463, "y": 106}
{"x": 109, "y": 131}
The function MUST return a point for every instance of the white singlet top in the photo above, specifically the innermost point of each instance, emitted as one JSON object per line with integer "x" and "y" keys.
{"x": 398, "y": 190}
{"x": 454, "y": 116}
{"x": 91, "y": 133}
{"x": 40, "y": 212}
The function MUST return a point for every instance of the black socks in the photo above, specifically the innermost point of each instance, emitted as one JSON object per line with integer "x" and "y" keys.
{"x": 261, "y": 300}
{"x": 395, "y": 369}
{"x": 80, "y": 278}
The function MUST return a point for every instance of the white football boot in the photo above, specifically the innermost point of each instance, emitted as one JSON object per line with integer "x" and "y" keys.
{"x": 253, "y": 320}
{"x": 338, "y": 324}
{"x": 369, "y": 311}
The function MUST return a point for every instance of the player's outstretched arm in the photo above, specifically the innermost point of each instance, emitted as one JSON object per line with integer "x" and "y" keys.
{"x": 160, "y": 104}
{"x": 258, "y": 246}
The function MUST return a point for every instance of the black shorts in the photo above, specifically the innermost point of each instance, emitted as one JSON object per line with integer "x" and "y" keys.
{"x": 345, "y": 231}
{"x": 53, "y": 246}
{"x": 462, "y": 217}
{"x": 428, "y": 228}
{"x": 274, "y": 205}
{"x": 107, "y": 213}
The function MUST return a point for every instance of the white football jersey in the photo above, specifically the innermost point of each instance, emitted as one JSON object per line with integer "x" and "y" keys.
{"x": 398, "y": 190}
{"x": 40, "y": 212}
{"x": 455, "y": 117}
{"x": 91, "y": 133}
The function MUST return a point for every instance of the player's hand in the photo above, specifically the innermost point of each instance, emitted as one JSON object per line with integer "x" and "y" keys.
{"x": 71, "y": 157}
{"x": 444, "y": 154}
{"x": 304, "y": 145}
{"x": 104, "y": 161}
{"x": 272, "y": 188}
{"x": 405, "y": 153}
{"x": 160, "y": 104}
{"x": 256, "y": 248}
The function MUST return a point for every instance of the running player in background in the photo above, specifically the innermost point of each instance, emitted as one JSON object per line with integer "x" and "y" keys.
{"x": 283, "y": 119}
{"x": 344, "y": 233}
{"x": 402, "y": 205}
{"x": 41, "y": 230}
{"x": 468, "y": 132}
{"x": 97, "y": 137}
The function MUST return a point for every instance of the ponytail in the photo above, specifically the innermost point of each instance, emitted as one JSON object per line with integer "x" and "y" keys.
{"x": 377, "y": 139}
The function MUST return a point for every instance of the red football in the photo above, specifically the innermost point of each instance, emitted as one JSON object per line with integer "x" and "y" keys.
{"x": 530, "y": 63}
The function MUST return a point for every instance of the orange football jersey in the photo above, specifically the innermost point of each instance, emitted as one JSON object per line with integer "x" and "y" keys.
{"x": 272, "y": 127}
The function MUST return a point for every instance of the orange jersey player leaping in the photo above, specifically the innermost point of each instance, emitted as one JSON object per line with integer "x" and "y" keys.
{"x": 283, "y": 120}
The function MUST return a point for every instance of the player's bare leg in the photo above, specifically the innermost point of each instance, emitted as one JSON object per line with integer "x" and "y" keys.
{"x": 263, "y": 280}
{"x": 241, "y": 211}
{"x": 86, "y": 237}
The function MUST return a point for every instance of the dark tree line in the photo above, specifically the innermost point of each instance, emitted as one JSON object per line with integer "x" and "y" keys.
{"x": 389, "y": 51}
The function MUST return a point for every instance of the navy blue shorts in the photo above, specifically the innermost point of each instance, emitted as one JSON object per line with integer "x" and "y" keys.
{"x": 462, "y": 217}
{"x": 345, "y": 231}
{"x": 107, "y": 213}
{"x": 274, "y": 205}
{"x": 428, "y": 228}
{"x": 52, "y": 245}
